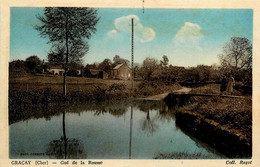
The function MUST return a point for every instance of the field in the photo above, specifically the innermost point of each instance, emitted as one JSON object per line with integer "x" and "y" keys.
{"x": 46, "y": 90}
{"x": 41, "y": 82}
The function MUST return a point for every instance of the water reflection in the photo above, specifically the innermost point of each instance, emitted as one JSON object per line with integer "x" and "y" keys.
{"x": 149, "y": 125}
{"x": 199, "y": 143}
{"x": 114, "y": 129}
{"x": 64, "y": 147}
{"x": 115, "y": 108}
{"x": 165, "y": 114}
{"x": 130, "y": 135}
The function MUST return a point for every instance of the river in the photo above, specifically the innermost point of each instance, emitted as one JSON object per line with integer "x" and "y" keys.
{"x": 138, "y": 129}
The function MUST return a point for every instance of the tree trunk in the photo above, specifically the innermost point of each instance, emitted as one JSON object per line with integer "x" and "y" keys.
{"x": 67, "y": 58}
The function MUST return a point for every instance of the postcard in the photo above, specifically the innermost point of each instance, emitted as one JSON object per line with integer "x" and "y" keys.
{"x": 129, "y": 83}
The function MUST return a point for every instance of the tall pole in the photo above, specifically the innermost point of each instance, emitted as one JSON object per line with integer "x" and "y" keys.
{"x": 132, "y": 67}
{"x": 130, "y": 135}
{"x": 132, "y": 54}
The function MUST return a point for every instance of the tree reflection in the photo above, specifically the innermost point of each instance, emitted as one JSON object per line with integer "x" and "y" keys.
{"x": 74, "y": 149}
{"x": 115, "y": 108}
{"x": 149, "y": 125}
{"x": 165, "y": 114}
{"x": 111, "y": 109}
{"x": 65, "y": 148}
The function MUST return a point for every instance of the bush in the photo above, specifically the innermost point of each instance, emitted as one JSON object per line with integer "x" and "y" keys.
{"x": 117, "y": 91}
{"x": 149, "y": 88}
{"x": 117, "y": 87}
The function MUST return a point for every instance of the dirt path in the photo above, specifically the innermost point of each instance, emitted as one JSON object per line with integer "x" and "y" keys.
{"x": 183, "y": 90}
{"x": 163, "y": 95}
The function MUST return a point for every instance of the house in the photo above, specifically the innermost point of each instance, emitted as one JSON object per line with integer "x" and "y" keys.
{"x": 121, "y": 71}
{"x": 56, "y": 70}
{"x": 97, "y": 74}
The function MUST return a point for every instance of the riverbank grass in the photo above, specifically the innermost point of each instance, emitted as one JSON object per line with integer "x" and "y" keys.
{"x": 231, "y": 113}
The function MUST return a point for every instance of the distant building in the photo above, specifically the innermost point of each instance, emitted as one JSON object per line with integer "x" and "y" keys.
{"x": 121, "y": 71}
{"x": 49, "y": 68}
{"x": 97, "y": 74}
{"x": 56, "y": 70}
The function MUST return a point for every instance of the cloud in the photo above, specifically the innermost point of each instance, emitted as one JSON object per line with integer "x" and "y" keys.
{"x": 113, "y": 34}
{"x": 123, "y": 25}
{"x": 188, "y": 37}
{"x": 189, "y": 30}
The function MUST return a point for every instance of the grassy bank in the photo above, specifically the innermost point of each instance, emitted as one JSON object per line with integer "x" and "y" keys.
{"x": 212, "y": 89}
{"x": 30, "y": 91}
{"x": 231, "y": 113}
{"x": 225, "y": 123}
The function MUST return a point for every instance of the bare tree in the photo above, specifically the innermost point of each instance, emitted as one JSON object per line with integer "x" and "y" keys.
{"x": 68, "y": 28}
{"x": 237, "y": 53}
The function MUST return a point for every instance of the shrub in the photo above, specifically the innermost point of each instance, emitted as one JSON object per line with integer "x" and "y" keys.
{"x": 117, "y": 91}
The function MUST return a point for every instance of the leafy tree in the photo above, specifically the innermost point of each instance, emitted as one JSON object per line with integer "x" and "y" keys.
{"x": 17, "y": 65}
{"x": 118, "y": 60}
{"x": 17, "y": 68}
{"x": 116, "y": 57}
{"x": 77, "y": 50}
{"x": 33, "y": 63}
{"x": 105, "y": 66}
{"x": 87, "y": 68}
{"x": 72, "y": 72}
{"x": 150, "y": 65}
{"x": 136, "y": 70}
{"x": 67, "y": 28}
{"x": 237, "y": 53}
{"x": 164, "y": 61}
{"x": 204, "y": 72}
{"x": 56, "y": 56}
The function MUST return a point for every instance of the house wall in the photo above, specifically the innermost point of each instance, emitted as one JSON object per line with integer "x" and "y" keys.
{"x": 57, "y": 71}
{"x": 124, "y": 72}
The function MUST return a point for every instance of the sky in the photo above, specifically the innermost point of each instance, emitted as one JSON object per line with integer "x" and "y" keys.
{"x": 188, "y": 37}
